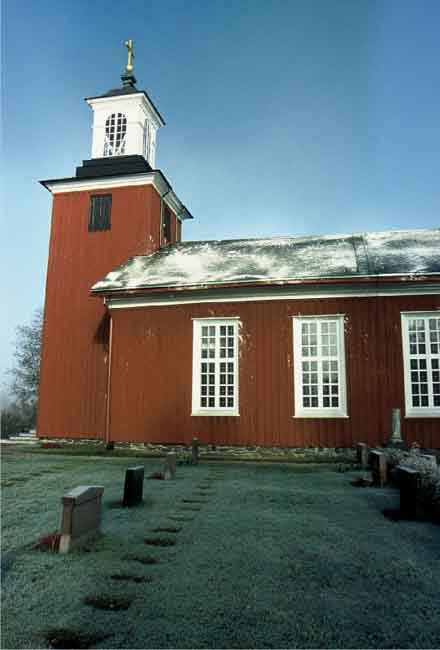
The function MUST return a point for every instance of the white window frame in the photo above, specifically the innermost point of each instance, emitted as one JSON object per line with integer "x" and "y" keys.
{"x": 120, "y": 124}
{"x": 198, "y": 410}
{"x": 319, "y": 411}
{"x": 411, "y": 411}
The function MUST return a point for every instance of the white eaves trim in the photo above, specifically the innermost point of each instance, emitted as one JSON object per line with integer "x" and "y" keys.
{"x": 124, "y": 99}
{"x": 149, "y": 178}
{"x": 277, "y": 293}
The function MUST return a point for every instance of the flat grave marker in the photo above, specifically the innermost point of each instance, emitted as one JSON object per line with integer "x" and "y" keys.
{"x": 431, "y": 460}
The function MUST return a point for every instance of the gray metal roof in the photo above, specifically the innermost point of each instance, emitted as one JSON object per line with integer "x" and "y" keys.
{"x": 280, "y": 259}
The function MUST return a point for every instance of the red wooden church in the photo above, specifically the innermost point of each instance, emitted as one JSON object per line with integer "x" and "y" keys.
{"x": 293, "y": 341}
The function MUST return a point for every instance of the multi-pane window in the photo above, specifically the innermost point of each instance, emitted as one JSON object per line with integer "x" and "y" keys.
{"x": 100, "y": 212}
{"x": 421, "y": 354}
{"x": 115, "y": 130}
{"x": 319, "y": 366}
{"x": 215, "y": 367}
{"x": 146, "y": 142}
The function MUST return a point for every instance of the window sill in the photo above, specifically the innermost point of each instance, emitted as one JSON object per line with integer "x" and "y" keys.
{"x": 428, "y": 413}
{"x": 215, "y": 413}
{"x": 320, "y": 415}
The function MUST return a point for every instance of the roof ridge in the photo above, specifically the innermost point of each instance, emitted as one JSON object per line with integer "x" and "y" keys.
{"x": 364, "y": 234}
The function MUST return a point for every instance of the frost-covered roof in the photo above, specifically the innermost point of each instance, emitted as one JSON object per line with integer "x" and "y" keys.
{"x": 280, "y": 259}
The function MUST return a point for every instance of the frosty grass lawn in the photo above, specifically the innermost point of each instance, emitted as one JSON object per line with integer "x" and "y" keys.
{"x": 278, "y": 556}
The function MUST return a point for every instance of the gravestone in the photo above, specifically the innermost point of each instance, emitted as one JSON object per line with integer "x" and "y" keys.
{"x": 408, "y": 480}
{"x": 362, "y": 454}
{"x": 378, "y": 464}
{"x": 133, "y": 486}
{"x": 170, "y": 466}
{"x": 430, "y": 460}
{"x": 195, "y": 451}
{"x": 81, "y": 516}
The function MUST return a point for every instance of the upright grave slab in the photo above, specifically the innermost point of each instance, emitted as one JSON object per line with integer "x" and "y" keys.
{"x": 378, "y": 463}
{"x": 362, "y": 454}
{"x": 133, "y": 486}
{"x": 195, "y": 451}
{"x": 170, "y": 466}
{"x": 408, "y": 479}
{"x": 81, "y": 516}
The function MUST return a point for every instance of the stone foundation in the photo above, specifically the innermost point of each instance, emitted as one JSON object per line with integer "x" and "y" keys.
{"x": 219, "y": 452}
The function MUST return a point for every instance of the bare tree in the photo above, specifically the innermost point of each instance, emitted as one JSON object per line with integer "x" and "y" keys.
{"x": 26, "y": 371}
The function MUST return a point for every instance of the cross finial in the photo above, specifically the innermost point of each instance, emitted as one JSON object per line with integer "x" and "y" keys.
{"x": 130, "y": 47}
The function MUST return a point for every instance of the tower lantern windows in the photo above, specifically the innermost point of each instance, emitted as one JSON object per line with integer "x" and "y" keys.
{"x": 115, "y": 131}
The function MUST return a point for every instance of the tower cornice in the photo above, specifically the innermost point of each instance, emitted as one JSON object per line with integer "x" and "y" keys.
{"x": 155, "y": 178}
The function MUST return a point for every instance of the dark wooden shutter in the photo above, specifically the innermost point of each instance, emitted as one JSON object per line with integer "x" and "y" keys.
{"x": 100, "y": 212}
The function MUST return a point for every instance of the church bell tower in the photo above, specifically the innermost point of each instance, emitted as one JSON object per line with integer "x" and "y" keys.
{"x": 125, "y": 120}
{"x": 117, "y": 205}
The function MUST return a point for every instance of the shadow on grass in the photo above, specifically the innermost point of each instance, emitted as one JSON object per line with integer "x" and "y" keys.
{"x": 109, "y": 603}
{"x": 16, "y": 480}
{"x": 159, "y": 541}
{"x": 116, "y": 504}
{"x": 125, "y": 577}
{"x": 65, "y": 638}
{"x": 195, "y": 501}
{"x": 143, "y": 559}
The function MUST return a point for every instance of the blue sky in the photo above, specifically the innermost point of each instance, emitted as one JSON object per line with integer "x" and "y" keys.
{"x": 283, "y": 117}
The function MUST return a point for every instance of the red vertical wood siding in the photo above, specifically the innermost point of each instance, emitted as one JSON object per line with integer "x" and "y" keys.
{"x": 73, "y": 381}
{"x": 152, "y": 374}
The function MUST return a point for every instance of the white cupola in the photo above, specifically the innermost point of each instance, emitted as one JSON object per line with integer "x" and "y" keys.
{"x": 125, "y": 120}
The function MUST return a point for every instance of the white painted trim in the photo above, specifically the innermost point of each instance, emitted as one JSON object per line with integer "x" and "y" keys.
{"x": 196, "y": 409}
{"x": 149, "y": 178}
{"x": 410, "y": 410}
{"x": 321, "y": 415}
{"x": 319, "y": 412}
{"x": 306, "y": 317}
{"x": 212, "y": 413}
{"x": 429, "y": 414}
{"x": 238, "y": 295}
{"x": 133, "y": 98}
{"x": 420, "y": 313}
{"x": 219, "y": 318}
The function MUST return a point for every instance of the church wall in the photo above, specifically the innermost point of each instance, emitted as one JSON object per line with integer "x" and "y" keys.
{"x": 151, "y": 375}
{"x": 76, "y": 326}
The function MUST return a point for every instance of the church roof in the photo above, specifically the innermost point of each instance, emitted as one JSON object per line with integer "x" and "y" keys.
{"x": 280, "y": 260}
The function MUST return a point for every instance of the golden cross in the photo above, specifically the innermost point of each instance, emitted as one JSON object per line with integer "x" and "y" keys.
{"x": 129, "y": 45}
